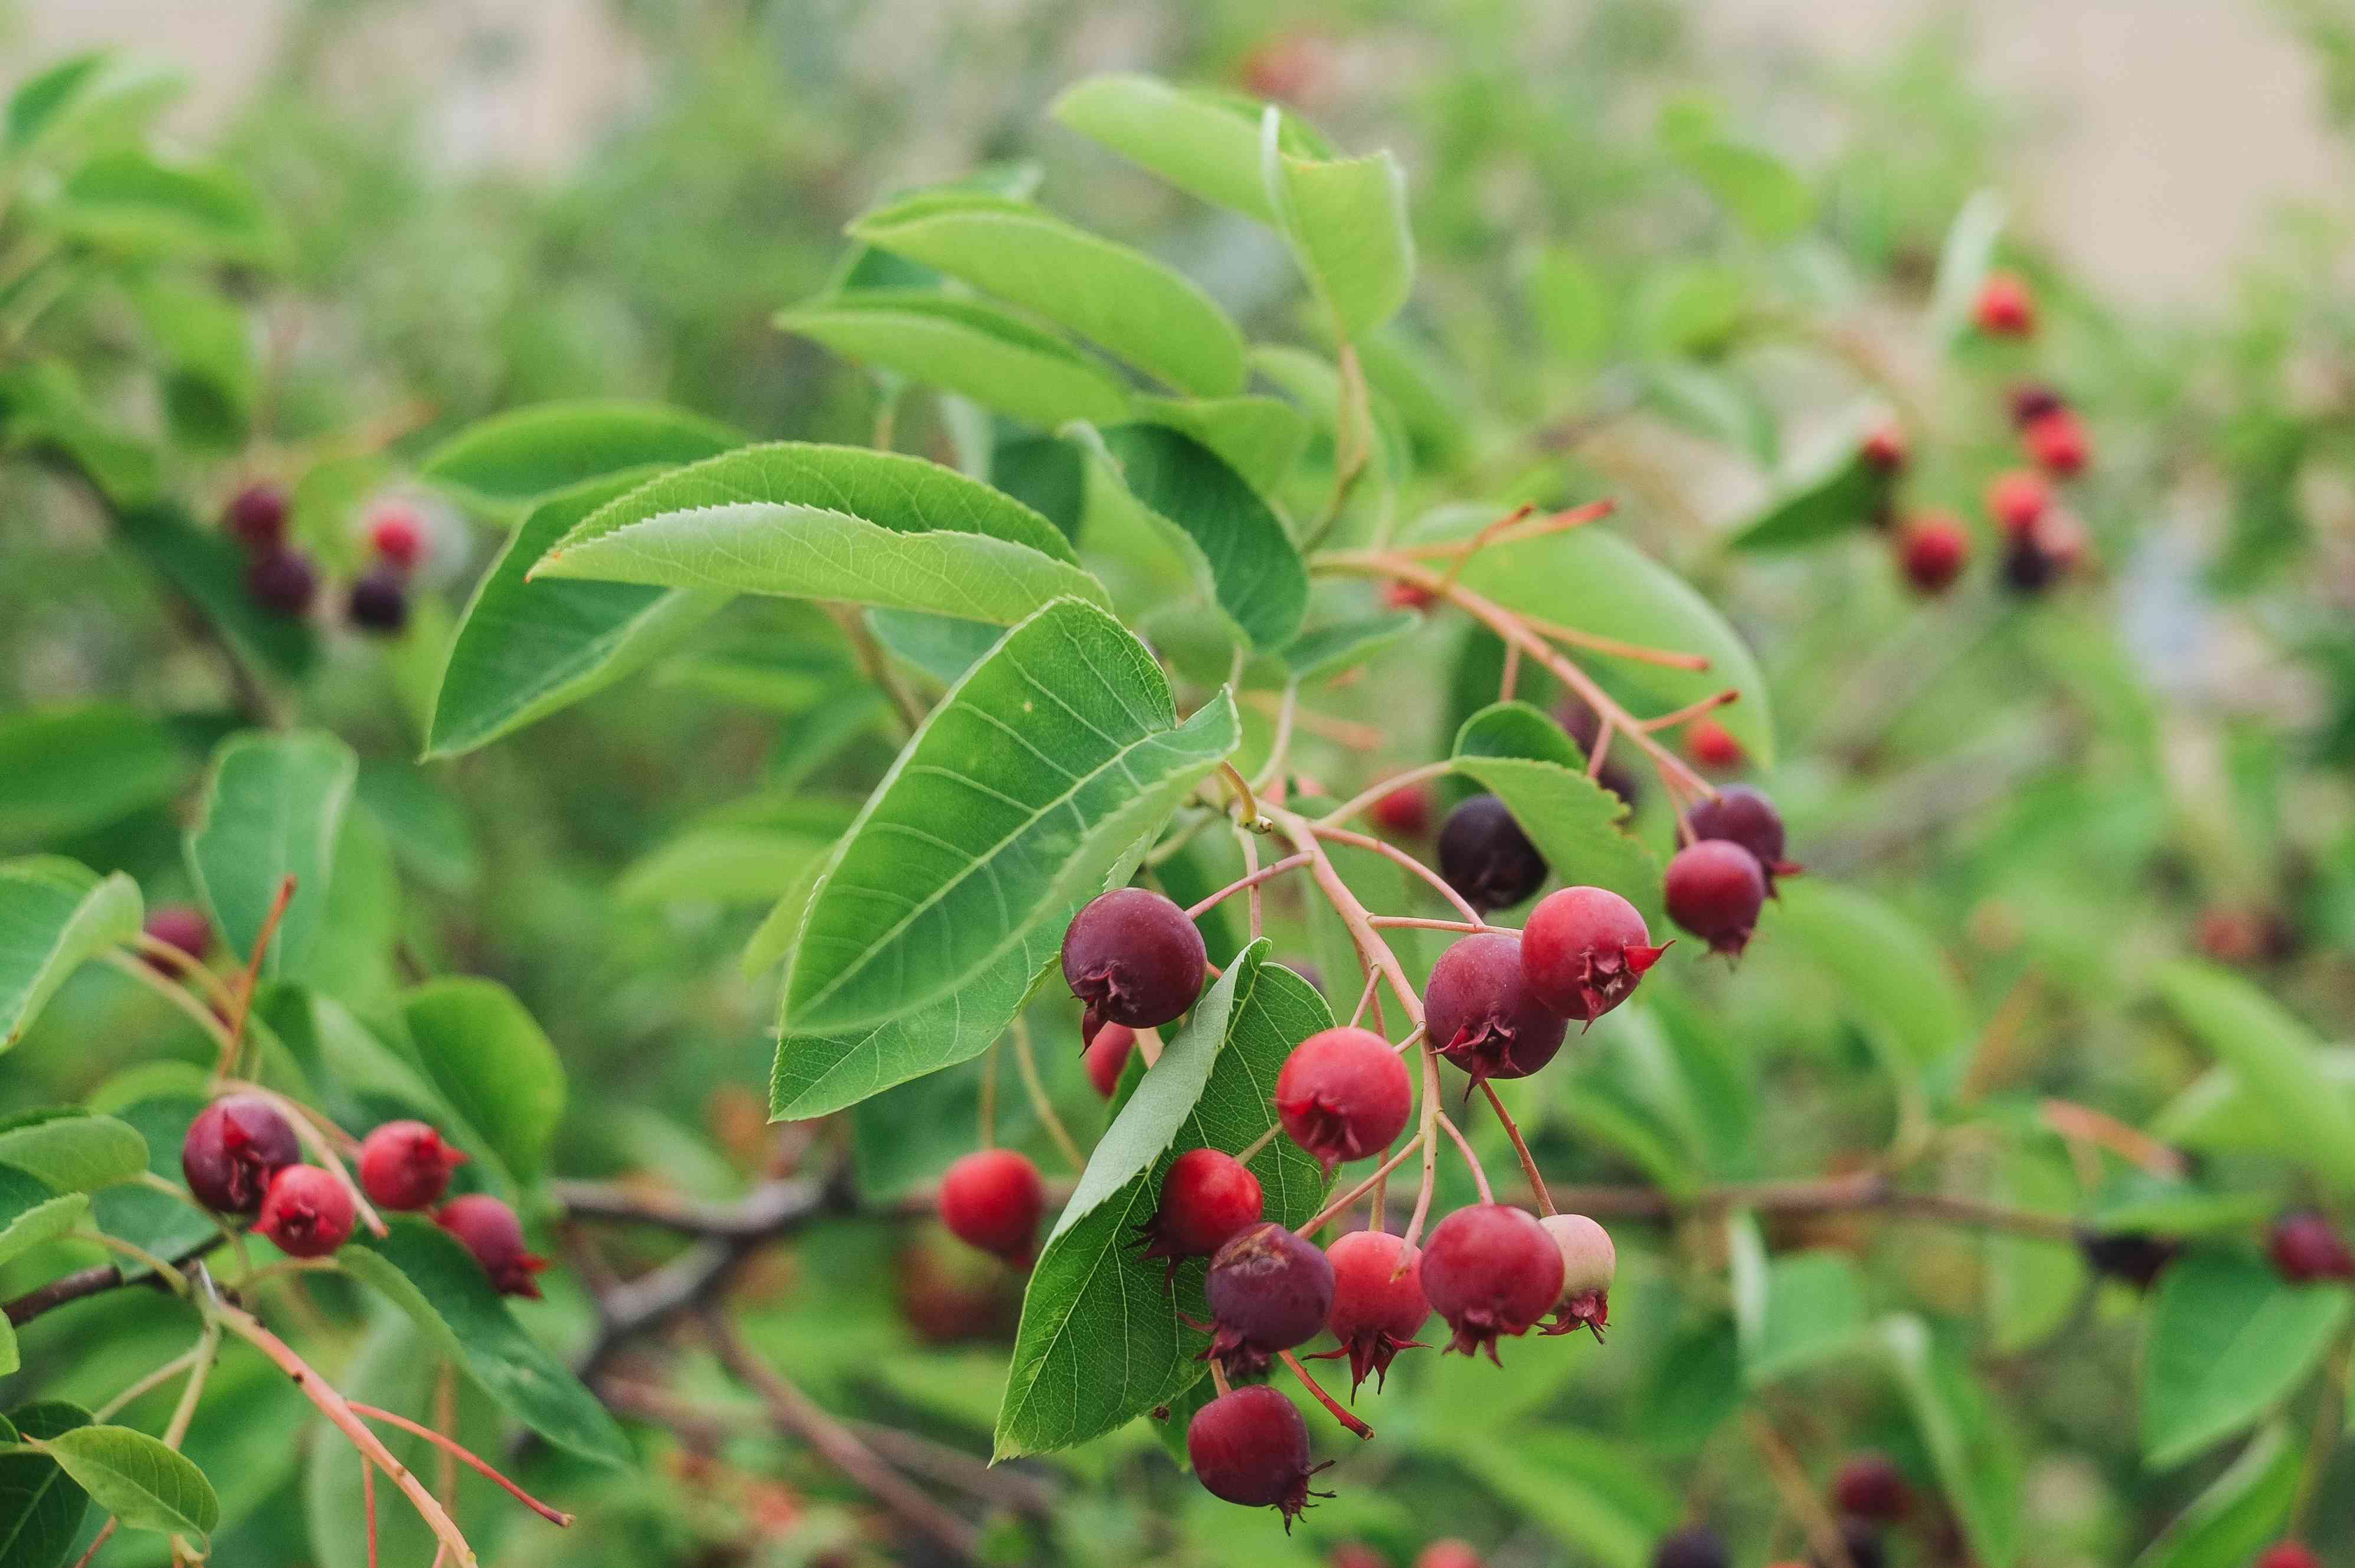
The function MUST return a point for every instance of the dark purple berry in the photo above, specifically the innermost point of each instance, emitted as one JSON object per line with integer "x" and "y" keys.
{"x": 1134, "y": 959}
{"x": 256, "y": 517}
{"x": 1694, "y": 1546}
{"x": 1744, "y": 816}
{"x": 1481, "y": 1014}
{"x": 1485, "y": 857}
{"x": 1714, "y": 889}
{"x": 2305, "y": 1248}
{"x": 1872, "y": 1487}
{"x": 1491, "y": 1271}
{"x": 378, "y": 601}
{"x": 1862, "y": 1539}
{"x": 233, "y": 1148}
{"x": 1251, "y": 1446}
{"x": 282, "y": 581}
{"x": 2134, "y": 1256}
{"x": 1268, "y": 1290}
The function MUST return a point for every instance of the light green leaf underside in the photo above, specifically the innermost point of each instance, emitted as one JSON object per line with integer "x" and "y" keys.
{"x": 510, "y": 460}
{"x": 73, "y": 1152}
{"x": 978, "y": 350}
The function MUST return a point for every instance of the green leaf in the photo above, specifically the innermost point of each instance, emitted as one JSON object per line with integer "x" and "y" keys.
{"x": 1979, "y": 1463}
{"x": 1963, "y": 263}
{"x": 395, "y": 1366}
{"x": 511, "y": 461}
{"x": 1205, "y": 144}
{"x": 1589, "y": 1493}
{"x": 2277, "y": 1061}
{"x": 1839, "y": 500}
{"x": 1100, "y": 1342}
{"x": 71, "y": 1152}
{"x": 41, "y": 1507}
{"x": 206, "y": 567}
{"x": 2215, "y": 1114}
{"x": 2031, "y": 1286}
{"x": 1803, "y": 1310}
{"x": 490, "y": 1059}
{"x": 1890, "y": 977}
{"x": 1049, "y": 475}
{"x": 85, "y": 93}
{"x": 1691, "y": 308}
{"x": 1523, "y": 757}
{"x": 54, "y": 916}
{"x": 975, "y": 350}
{"x": 1321, "y": 653}
{"x": 1346, "y": 220}
{"x": 272, "y": 808}
{"x": 73, "y": 769}
{"x": 435, "y": 1279}
{"x": 1260, "y": 437}
{"x": 129, "y": 202}
{"x": 138, "y": 1480}
{"x": 721, "y": 865}
{"x": 44, "y": 409}
{"x": 843, "y": 523}
{"x": 525, "y": 648}
{"x": 1236, "y": 547}
{"x": 32, "y": 1212}
{"x": 1108, "y": 294}
{"x": 1766, "y": 197}
{"x": 425, "y": 821}
{"x": 1589, "y": 579}
{"x": 2241, "y": 1512}
{"x": 2228, "y": 1340}
{"x": 1054, "y": 756}
{"x": 1571, "y": 305}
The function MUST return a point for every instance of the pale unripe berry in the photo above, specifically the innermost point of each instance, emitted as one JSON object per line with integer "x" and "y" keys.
{"x": 1589, "y": 1264}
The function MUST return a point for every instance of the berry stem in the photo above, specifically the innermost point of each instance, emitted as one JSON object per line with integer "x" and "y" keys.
{"x": 1392, "y": 852}
{"x": 145, "y": 1385}
{"x": 1464, "y": 1147}
{"x": 445, "y": 1420}
{"x": 1253, "y": 820}
{"x": 1798, "y": 1493}
{"x": 1637, "y": 652}
{"x": 1690, "y": 711}
{"x": 1521, "y": 1148}
{"x": 1372, "y": 950}
{"x": 1428, "y": 1136}
{"x": 1247, "y": 884}
{"x": 2328, "y": 1413}
{"x": 2077, "y": 1122}
{"x": 465, "y": 1456}
{"x": 191, "y": 969}
{"x": 878, "y": 667}
{"x": 178, "y": 996}
{"x": 1373, "y": 793}
{"x": 1366, "y": 998}
{"x": 1270, "y": 778}
{"x": 1219, "y": 1377}
{"x": 243, "y": 992}
{"x": 1553, "y": 523}
{"x": 368, "y": 1509}
{"x": 1340, "y": 1412}
{"x": 1416, "y": 923}
{"x": 1035, "y": 1088}
{"x": 1340, "y": 1205}
{"x": 1511, "y": 675}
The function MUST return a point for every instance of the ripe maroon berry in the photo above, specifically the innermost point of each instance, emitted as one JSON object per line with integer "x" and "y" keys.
{"x": 1356, "y": 1554}
{"x": 405, "y": 1165}
{"x": 1107, "y": 1056}
{"x": 233, "y": 1148}
{"x": 2058, "y": 442}
{"x": 2134, "y": 1256}
{"x": 378, "y": 601}
{"x": 1931, "y": 550}
{"x": 1134, "y": 959}
{"x": 1251, "y": 1446}
{"x": 1583, "y": 724}
{"x": 2288, "y": 1554}
{"x": 2005, "y": 308}
{"x": 1712, "y": 745}
{"x": 1860, "y": 1541}
{"x": 1872, "y": 1487}
{"x": 1405, "y": 811}
{"x": 2016, "y": 498}
{"x": 1268, "y": 1290}
{"x": 398, "y": 536}
{"x": 1378, "y": 1308}
{"x": 1408, "y": 595}
{"x": 1589, "y": 1264}
{"x": 306, "y": 1212}
{"x": 1447, "y": 1554}
{"x": 182, "y": 927}
{"x": 1695, "y": 1546}
{"x": 1343, "y": 1094}
{"x": 1207, "y": 1195}
{"x": 1481, "y": 1014}
{"x": 1741, "y": 814}
{"x": 256, "y": 517}
{"x": 1485, "y": 857}
{"x": 2305, "y": 1248}
{"x": 1884, "y": 450}
{"x": 1491, "y": 1271}
{"x": 993, "y": 1199}
{"x": 2032, "y": 400}
{"x": 281, "y": 581}
{"x": 1714, "y": 889}
{"x": 490, "y": 1230}
{"x": 1582, "y": 951}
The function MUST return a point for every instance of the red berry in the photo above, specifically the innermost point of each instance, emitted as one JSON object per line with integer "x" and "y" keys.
{"x": 1583, "y": 950}
{"x": 1872, "y": 1487}
{"x": 1343, "y": 1094}
{"x": 2288, "y": 1554}
{"x": 1932, "y": 549}
{"x": 1714, "y": 889}
{"x": 1251, "y": 1446}
{"x": 1107, "y": 1056}
{"x": 1448, "y": 1554}
{"x": 1356, "y": 1554}
{"x": 1407, "y": 595}
{"x": 2305, "y": 1248}
{"x": 2016, "y": 498}
{"x": 1405, "y": 811}
{"x": 233, "y": 1148}
{"x": 2005, "y": 307}
{"x": 1134, "y": 959}
{"x": 256, "y": 517}
{"x": 1378, "y": 1308}
{"x": 490, "y": 1230}
{"x": 1884, "y": 450}
{"x": 993, "y": 1199}
{"x": 2032, "y": 400}
{"x": 1491, "y": 1271}
{"x": 1207, "y": 1195}
{"x": 1481, "y": 1014}
{"x": 378, "y": 601}
{"x": 1712, "y": 745}
{"x": 1268, "y": 1290}
{"x": 1589, "y": 1264}
{"x": 1749, "y": 819}
{"x": 306, "y": 1212}
{"x": 1485, "y": 857}
{"x": 398, "y": 535}
{"x": 180, "y": 925}
{"x": 2058, "y": 442}
{"x": 281, "y": 580}
{"x": 1695, "y": 1546}
{"x": 405, "y": 1165}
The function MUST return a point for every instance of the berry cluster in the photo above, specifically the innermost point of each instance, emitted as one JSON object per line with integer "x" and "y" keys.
{"x": 283, "y": 578}
{"x": 243, "y": 1157}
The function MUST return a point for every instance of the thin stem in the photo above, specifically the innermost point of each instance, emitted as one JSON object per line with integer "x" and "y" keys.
{"x": 989, "y": 1095}
{"x": 250, "y": 977}
{"x": 1419, "y": 923}
{"x": 1371, "y": 950}
{"x": 146, "y": 1385}
{"x": 178, "y": 996}
{"x": 1251, "y": 1150}
{"x": 465, "y": 1456}
{"x": 2131, "y": 1144}
{"x": 445, "y": 1420}
{"x": 105, "y": 1534}
{"x": 1340, "y": 1412}
{"x": 1270, "y": 774}
{"x": 877, "y": 666}
{"x": 1553, "y": 523}
{"x": 1245, "y": 884}
{"x": 181, "y": 963}
{"x": 207, "y": 1353}
{"x": 1219, "y": 1377}
{"x": 1798, "y": 1493}
{"x": 1365, "y": 998}
{"x": 1373, "y": 793}
{"x": 368, "y": 1510}
{"x": 1461, "y": 556}
{"x": 1253, "y": 818}
{"x": 1340, "y": 1205}
{"x": 1254, "y": 901}
{"x": 2329, "y": 1414}
{"x": 1692, "y": 711}
{"x": 1024, "y": 1059}
{"x": 1529, "y": 1161}
{"x": 1635, "y": 653}
{"x": 1464, "y": 1147}
{"x": 1511, "y": 676}
{"x": 1429, "y": 1137}
{"x": 1392, "y": 852}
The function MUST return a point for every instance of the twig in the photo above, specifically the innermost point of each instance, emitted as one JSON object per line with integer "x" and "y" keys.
{"x": 1392, "y": 852}
{"x": 1529, "y": 1161}
{"x": 94, "y": 1280}
{"x": 1798, "y": 1493}
{"x": 1692, "y": 711}
{"x": 1035, "y": 1088}
{"x": 250, "y": 977}
{"x": 1373, "y": 793}
{"x": 1340, "y": 1205}
{"x": 466, "y": 1456}
{"x": 1243, "y": 883}
{"x": 1464, "y": 1147}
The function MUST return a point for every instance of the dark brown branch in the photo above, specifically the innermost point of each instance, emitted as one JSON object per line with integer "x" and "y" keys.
{"x": 97, "y": 1279}
{"x": 1867, "y": 1191}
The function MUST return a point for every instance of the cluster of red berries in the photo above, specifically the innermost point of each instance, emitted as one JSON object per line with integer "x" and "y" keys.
{"x": 283, "y": 578}
{"x": 241, "y": 1157}
{"x": 379, "y": 596}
